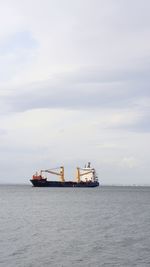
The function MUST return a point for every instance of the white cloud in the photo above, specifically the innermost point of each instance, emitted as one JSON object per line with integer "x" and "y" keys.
{"x": 81, "y": 93}
{"x": 11, "y": 20}
{"x": 129, "y": 162}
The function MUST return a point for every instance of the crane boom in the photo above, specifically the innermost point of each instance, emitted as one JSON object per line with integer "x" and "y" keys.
{"x": 52, "y": 172}
{"x": 81, "y": 174}
{"x": 61, "y": 173}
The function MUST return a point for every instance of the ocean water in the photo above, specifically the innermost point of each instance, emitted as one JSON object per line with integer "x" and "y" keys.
{"x": 91, "y": 227}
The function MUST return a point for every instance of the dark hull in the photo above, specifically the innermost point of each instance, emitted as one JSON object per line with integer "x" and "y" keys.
{"x": 45, "y": 183}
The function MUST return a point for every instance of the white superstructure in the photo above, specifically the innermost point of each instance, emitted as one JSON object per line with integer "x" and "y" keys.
{"x": 88, "y": 174}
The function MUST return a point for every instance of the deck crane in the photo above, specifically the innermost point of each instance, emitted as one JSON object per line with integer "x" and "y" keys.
{"x": 79, "y": 175}
{"x": 60, "y": 173}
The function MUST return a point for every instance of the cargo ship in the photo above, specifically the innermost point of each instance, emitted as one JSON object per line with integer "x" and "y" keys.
{"x": 85, "y": 177}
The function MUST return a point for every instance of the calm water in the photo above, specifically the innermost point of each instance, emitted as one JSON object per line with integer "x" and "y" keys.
{"x": 106, "y": 226}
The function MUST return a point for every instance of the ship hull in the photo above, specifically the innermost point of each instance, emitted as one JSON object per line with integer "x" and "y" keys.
{"x": 45, "y": 183}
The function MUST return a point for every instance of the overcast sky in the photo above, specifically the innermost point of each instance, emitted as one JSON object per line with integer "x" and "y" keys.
{"x": 75, "y": 87}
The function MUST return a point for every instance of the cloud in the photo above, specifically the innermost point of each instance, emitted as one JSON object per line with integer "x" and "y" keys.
{"x": 16, "y": 53}
{"x": 2, "y": 132}
{"x": 129, "y": 162}
{"x": 74, "y": 86}
{"x": 125, "y": 94}
{"x": 83, "y": 89}
{"x": 11, "y": 20}
{"x": 18, "y": 41}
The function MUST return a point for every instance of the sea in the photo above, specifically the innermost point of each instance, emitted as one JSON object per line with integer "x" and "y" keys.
{"x": 71, "y": 227}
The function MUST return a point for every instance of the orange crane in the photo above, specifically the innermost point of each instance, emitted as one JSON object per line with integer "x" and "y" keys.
{"x": 60, "y": 173}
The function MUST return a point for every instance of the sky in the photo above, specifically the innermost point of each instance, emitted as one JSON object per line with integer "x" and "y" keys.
{"x": 75, "y": 87}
